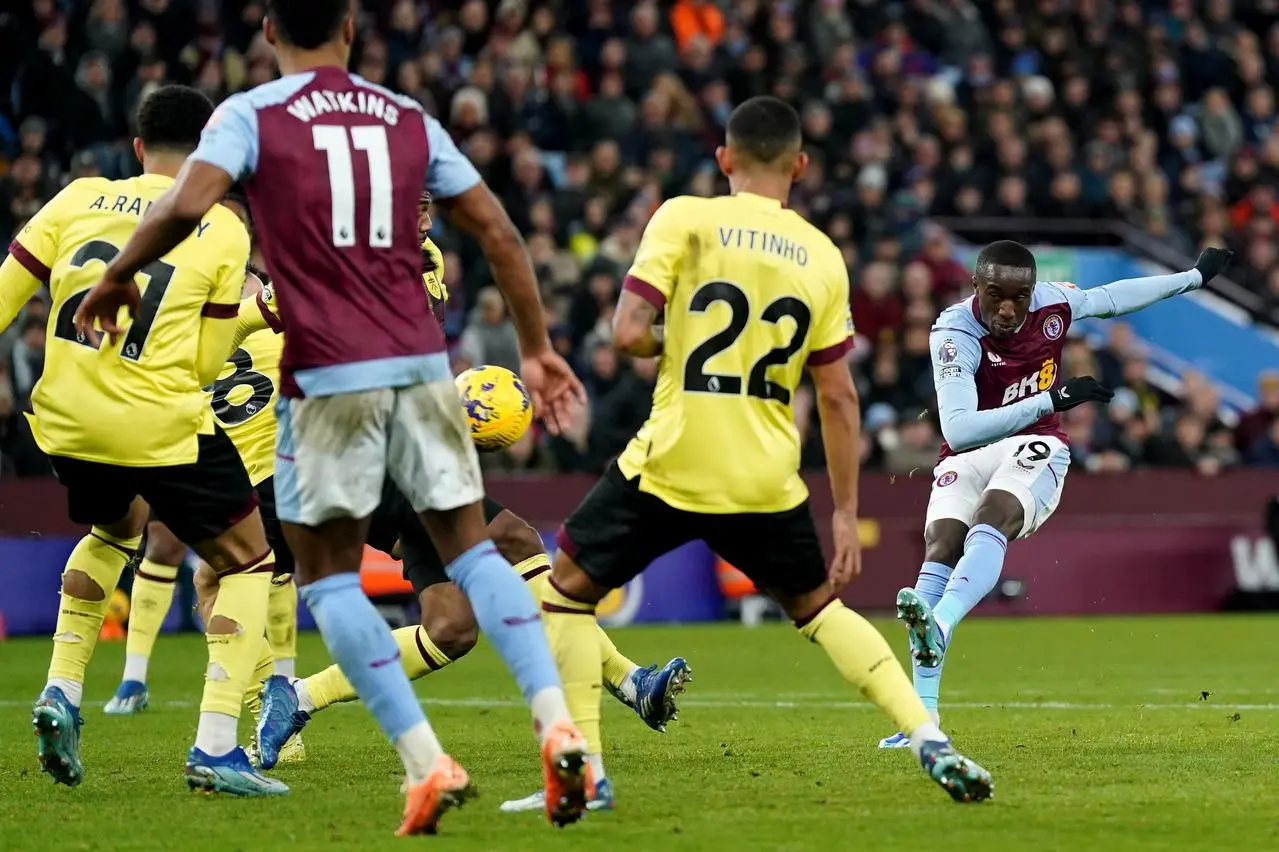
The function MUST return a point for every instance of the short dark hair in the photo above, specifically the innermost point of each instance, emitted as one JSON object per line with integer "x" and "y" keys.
{"x": 307, "y": 23}
{"x": 172, "y": 117}
{"x": 764, "y": 129}
{"x": 1004, "y": 253}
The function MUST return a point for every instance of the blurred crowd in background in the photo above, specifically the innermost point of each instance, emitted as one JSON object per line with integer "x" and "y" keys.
{"x": 583, "y": 115}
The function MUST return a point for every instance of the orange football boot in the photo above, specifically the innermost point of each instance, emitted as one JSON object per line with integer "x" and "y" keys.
{"x": 569, "y": 785}
{"x": 448, "y": 786}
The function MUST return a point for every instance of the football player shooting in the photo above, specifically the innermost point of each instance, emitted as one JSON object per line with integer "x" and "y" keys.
{"x": 718, "y": 458}
{"x": 996, "y": 361}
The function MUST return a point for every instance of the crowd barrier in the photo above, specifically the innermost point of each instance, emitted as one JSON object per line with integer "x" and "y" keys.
{"x": 1145, "y": 542}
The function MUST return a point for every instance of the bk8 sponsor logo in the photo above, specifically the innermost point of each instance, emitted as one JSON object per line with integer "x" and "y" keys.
{"x": 1034, "y": 383}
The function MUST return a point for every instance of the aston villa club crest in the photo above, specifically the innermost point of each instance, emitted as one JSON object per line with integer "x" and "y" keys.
{"x": 1053, "y": 327}
{"x": 947, "y": 478}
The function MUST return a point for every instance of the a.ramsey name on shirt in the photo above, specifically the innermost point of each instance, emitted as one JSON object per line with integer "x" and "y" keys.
{"x": 133, "y": 205}
{"x": 752, "y": 239}
{"x": 318, "y": 102}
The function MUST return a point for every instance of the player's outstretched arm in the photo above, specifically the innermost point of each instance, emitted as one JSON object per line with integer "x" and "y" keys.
{"x": 633, "y": 330}
{"x": 1133, "y": 294}
{"x": 840, "y": 411}
{"x": 258, "y": 311}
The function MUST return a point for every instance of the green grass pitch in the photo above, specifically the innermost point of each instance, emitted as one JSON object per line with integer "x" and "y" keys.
{"x": 1102, "y": 734}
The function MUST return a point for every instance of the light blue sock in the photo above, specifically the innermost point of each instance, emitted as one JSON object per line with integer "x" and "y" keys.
{"x": 359, "y": 639}
{"x": 931, "y": 585}
{"x": 508, "y": 615}
{"x": 976, "y": 574}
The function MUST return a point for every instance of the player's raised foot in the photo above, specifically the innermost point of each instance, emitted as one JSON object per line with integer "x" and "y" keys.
{"x": 130, "y": 697}
{"x": 230, "y": 773}
{"x": 927, "y": 644}
{"x": 565, "y": 773}
{"x": 601, "y": 800}
{"x": 897, "y": 740}
{"x": 57, "y": 727}
{"x": 962, "y": 778}
{"x": 448, "y": 786}
{"x": 279, "y": 719}
{"x": 656, "y": 691}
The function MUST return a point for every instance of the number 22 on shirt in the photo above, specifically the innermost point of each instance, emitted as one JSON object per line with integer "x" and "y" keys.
{"x": 758, "y": 385}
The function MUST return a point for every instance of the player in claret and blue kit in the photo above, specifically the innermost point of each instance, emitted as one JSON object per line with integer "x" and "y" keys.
{"x": 333, "y": 167}
{"x": 997, "y": 368}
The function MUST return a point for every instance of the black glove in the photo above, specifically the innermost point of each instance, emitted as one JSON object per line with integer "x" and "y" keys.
{"x": 1078, "y": 391}
{"x": 1212, "y": 261}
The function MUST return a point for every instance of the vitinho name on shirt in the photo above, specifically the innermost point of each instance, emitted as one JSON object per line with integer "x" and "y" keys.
{"x": 752, "y": 239}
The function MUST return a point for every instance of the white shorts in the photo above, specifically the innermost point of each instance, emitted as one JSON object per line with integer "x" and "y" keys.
{"x": 1030, "y": 467}
{"x": 334, "y": 452}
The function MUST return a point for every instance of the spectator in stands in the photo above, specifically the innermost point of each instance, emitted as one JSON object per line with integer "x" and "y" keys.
{"x": 489, "y": 337}
{"x": 913, "y": 446}
{"x": 621, "y": 410}
{"x": 27, "y": 360}
{"x": 584, "y": 117}
{"x": 1265, "y": 451}
{"x": 877, "y": 307}
{"x": 696, "y": 19}
{"x": 1254, "y": 425}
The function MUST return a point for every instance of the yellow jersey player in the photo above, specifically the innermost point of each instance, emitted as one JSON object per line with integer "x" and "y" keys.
{"x": 181, "y": 463}
{"x": 243, "y": 399}
{"x": 448, "y": 630}
{"x": 751, "y": 294}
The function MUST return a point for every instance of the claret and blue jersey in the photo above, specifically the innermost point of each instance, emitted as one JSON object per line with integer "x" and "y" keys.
{"x": 333, "y": 166}
{"x": 989, "y": 389}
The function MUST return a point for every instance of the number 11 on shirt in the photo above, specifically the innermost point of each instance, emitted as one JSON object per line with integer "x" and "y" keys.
{"x": 336, "y": 144}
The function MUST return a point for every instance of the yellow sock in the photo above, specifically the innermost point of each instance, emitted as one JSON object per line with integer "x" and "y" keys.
{"x": 418, "y": 655}
{"x": 864, "y": 659}
{"x": 153, "y": 586}
{"x": 101, "y": 557}
{"x": 242, "y": 598}
{"x": 573, "y": 635}
{"x": 617, "y": 667}
{"x": 282, "y": 626}
{"x": 265, "y": 668}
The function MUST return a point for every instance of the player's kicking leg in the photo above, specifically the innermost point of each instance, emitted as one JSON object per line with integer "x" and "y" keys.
{"x": 781, "y": 553}
{"x": 1013, "y": 487}
{"x": 943, "y": 545}
{"x": 91, "y": 574}
{"x": 154, "y": 579}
